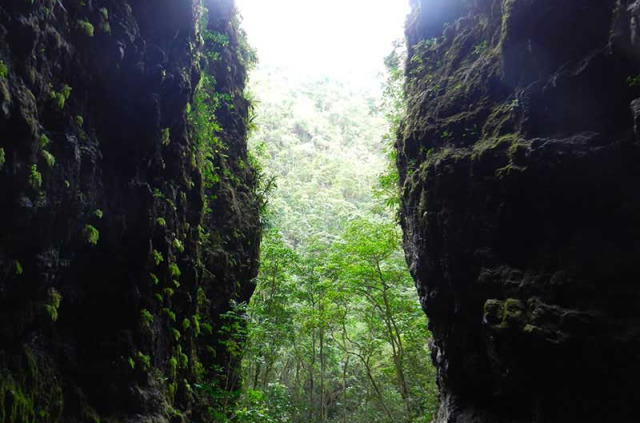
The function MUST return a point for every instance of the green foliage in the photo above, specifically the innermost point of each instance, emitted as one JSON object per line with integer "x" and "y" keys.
{"x": 104, "y": 20}
{"x": 210, "y": 150}
{"x": 174, "y": 270}
{"x": 144, "y": 360}
{"x": 273, "y": 405}
{"x": 161, "y": 222}
{"x": 44, "y": 141}
{"x": 334, "y": 330}
{"x": 2, "y": 158}
{"x": 18, "y": 268}
{"x": 351, "y": 301}
{"x": 208, "y": 328}
{"x": 22, "y": 401}
{"x": 98, "y": 214}
{"x": 418, "y": 67}
{"x": 210, "y": 101}
{"x": 393, "y": 107}
{"x": 173, "y": 366}
{"x": 86, "y": 27}
{"x": 633, "y": 81}
{"x": 79, "y": 120}
{"x": 157, "y": 257}
{"x": 178, "y": 245}
{"x": 186, "y": 324}
{"x": 54, "y": 304}
{"x": 196, "y": 325}
{"x": 184, "y": 360}
{"x": 60, "y": 98}
{"x": 90, "y": 235}
{"x": 480, "y": 47}
{"x": 233, "y": 330}
{"x": 34, "y": 178}
{"x": 166, "y": 136}
{"x": 3, "y": 70}
{"x": 203, "y": 119}
{"x": 146, "y": 318}
{"x": 170, "y": 314}
{"x": 48, "y": 158}
{"x": 320, "y": 142}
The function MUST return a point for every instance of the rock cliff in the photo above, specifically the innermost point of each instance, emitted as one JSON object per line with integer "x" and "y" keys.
{"x": 521, "y": 209}
{"x": 129, "y": 214}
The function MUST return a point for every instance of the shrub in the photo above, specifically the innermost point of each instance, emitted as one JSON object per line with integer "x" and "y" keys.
{"x": 177, "y": 244}
{"x": 186, "y": 324}
{"x": 90, "y": 235}
{"x": 60, "y": 98}
{"x": 48, "y": 158}
{"x": 44, "y": 141}
{"x": 54, "y": 303}
{"x": 174, "y": 270}
{"x": 157, "y": 257}
{"x": 86, "y": 27}
{"x": 144, "y": 359}
{"x": 35, "y": 178}
{"x": 170, "y": 314}
{"x": 146, "y": 318}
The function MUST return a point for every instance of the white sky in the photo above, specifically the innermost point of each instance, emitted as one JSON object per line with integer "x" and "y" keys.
{"x": 346, "y": 39}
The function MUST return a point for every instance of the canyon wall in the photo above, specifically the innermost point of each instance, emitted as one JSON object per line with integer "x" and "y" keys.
{"x": 129, "y": 213}
{"x": 521, "y": 208}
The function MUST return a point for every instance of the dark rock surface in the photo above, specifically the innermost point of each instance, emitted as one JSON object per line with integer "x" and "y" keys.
{"x": 117, "y": 256}
{"x": 519, "y": 160}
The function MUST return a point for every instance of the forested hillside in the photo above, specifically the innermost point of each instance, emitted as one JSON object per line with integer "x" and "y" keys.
{"x": 335, "y": 331}
{"x": 321, "y": 141}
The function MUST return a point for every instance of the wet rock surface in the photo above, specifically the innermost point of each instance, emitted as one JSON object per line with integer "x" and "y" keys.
{"x": 521, "y": 213}
{"x": 117, "y": 255}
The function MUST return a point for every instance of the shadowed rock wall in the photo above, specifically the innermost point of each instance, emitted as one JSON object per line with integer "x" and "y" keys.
{"x": 124, "y": 232}
{"x": 521, "y": 209}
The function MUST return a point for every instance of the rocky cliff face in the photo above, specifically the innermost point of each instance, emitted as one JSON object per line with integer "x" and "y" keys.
{"x": 521, "y": 209}
{"x": 128, "y": 215}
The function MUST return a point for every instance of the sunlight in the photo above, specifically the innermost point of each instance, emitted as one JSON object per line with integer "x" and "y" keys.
{"x": 344, "y": 39}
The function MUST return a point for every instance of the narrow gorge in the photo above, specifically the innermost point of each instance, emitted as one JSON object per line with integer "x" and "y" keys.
{"x": 132, "y": 212}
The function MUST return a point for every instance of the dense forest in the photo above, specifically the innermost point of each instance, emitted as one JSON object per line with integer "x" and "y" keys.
{"x": 334, "y": 331}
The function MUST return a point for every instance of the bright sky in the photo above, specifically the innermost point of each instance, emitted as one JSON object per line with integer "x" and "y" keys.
{"x": 347, "y": 39}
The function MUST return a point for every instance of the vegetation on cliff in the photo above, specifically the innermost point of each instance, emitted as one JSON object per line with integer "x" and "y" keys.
{"x": 123, "y": 171}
